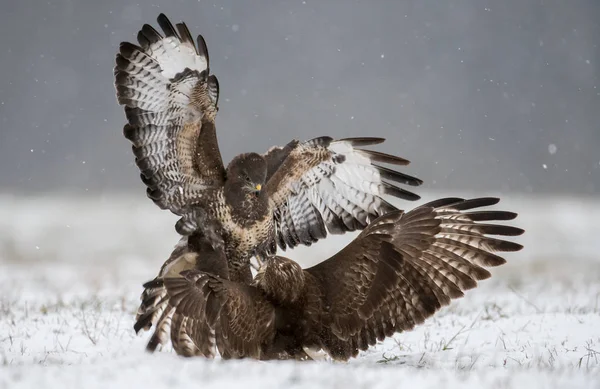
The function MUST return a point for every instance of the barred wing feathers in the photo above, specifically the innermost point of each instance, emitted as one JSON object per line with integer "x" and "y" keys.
{"x": 399, "y": 271}
{"x": 239, "y": 316}
{"x": 325, "y": 185}
{"x": 405, "y": 266}
{"x": 153, "y": 298}
{"x": 170, "y": 103}
{"x": 155, "y": 310}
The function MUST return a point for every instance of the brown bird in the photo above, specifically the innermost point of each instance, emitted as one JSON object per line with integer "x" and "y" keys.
{"x": 399, "y": 271}
{"x": 199, "y": 255}
{"x": 289, "y": 195}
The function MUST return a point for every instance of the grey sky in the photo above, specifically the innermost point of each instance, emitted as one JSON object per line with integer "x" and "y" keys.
{"x": 484, "y": 95}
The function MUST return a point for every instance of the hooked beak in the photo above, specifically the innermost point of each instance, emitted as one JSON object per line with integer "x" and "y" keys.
{"x": 253, "y": 189}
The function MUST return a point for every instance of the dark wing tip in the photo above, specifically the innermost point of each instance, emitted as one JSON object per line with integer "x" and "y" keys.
{"x": 491, "y": 215}
{"x": 153, "y": 343}
{"x": 464, "y": 204}
{"x": 510, "y": 231}
{"x": 142, "y": 40}
{"x": 142, "y": 323}
{"x": 517, "y": 247}
{"x": 396, "y": 176}
{"x": 203, "y": 50}
{"x": 126, "y": 49}
{"x": 154, "y": 194}
{"x": 377, "y": 156}
{"x": 506, "y": 246}
{"x": 477, "y": 202}
{"x": 213, "y": 89}
{"x": 363, "y": 141}
{"x": 166, "y": 25}
{"x": 440, "y": 203}
{"x": 185, "y": 35}
{"x": 415, "y": 181}
{"x": 121, "y": 76}
{"x": 130, "y": 133}
{"x": 149, "y": 34}
{"x": 498, "y": 229}
{"x": 400, "y": 193}
{"x": 155, "y": 283}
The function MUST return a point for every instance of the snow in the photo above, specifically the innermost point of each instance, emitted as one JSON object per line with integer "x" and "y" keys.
{"x": 72, "y": 269}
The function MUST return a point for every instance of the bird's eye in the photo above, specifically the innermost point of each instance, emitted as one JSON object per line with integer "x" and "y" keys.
{"x": 247, "y": 177}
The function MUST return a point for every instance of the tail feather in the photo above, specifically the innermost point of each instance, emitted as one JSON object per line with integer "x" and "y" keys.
{"x": 153, "y": 304}
{"x": 160, "y": 337}
{"x": 154, "y": 297}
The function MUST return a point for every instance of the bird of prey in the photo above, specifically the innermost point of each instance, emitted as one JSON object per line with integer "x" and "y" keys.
{"x": 288, "y": 196}
{"x": 199, "y": 255}
{"x": 398, "y": 272}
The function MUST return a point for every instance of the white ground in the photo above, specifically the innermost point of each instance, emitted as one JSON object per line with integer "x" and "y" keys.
{"x": 71, "y": 272}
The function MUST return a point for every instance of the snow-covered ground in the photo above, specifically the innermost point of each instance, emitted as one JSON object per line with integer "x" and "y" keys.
{"x": 71, "y": 271}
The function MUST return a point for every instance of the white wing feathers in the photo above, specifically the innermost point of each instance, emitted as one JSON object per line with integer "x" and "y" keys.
{"x": 156, "y": 82}
{"x": 343, "y": 193}
{"x": 152, "y": 75}
{"x": 174, "y": 55}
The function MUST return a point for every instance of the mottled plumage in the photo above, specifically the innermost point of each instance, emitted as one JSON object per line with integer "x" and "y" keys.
{"x": 399, "y": 271}
{"x": 155, "y": 311}
{"x": 288, "y": 196}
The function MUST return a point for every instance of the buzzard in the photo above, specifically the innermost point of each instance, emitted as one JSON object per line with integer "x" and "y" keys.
{"x": 288, "y": 196}
{"x": 199, "y": 255}
{"x": 398, "y": 272}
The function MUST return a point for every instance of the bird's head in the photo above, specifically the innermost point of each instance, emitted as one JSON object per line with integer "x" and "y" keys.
{"x": 248, "y": 172}
{"x": 281, "y": 278}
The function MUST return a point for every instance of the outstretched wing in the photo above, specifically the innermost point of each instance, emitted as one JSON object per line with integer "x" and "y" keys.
{"x": 325, "y": 185}
{"x": 237, "y": 316}
{"x": 405, "y": 266}
{"x": 170, "y": 103}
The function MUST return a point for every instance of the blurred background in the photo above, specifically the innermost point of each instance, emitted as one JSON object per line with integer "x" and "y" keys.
{"x": 484, "y": 97}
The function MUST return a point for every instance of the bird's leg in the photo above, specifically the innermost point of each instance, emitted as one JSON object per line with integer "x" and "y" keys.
{"x": 260, "y": 262}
